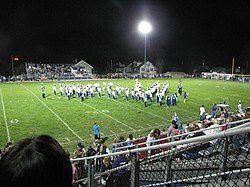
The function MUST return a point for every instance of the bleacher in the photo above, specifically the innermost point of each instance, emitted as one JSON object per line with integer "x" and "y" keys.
{"x": 217, "y": 159}
{"x": 37, "y": 71}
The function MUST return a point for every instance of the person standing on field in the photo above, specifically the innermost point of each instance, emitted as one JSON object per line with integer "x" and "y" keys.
{"x": 185, "y": 97}
{"x": 61, "y": 90}
{"x": 43, "y": 92}
{"x": 168, "y": 101}
{"x": 54, "y": 88}
{"x": 96, "y": 132}
{"x": 202, "y": 112}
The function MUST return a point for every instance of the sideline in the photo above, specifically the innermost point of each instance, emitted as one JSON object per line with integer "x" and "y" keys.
{"x": 5, "y": 118}
{"x": 65, "y": 124}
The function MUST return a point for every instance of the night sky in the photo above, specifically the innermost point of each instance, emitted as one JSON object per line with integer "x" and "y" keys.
{"x": 183, "y": 31}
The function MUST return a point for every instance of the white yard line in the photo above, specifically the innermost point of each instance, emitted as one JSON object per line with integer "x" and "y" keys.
{"x": 58, "y": 117}
{"x": 5, "y": 118}
{"x": 142, "y": 111}
{"x": 107, "y": 115}
{"x": 111, "y": 135}
{"x": 68, "y": 139}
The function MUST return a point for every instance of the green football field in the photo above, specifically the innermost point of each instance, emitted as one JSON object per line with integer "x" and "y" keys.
{"x": 24, "y": 113}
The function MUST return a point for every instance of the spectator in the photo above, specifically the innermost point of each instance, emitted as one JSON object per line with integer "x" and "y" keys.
{"x": 130, "y": 140}
{"x": 214, "y": 108}
{"x": 121, "y": 176}
{"x": 38, "y": 162}
{"x": 107, "y": 179}
{"x": 180, "y": 127}
{"x": 91, "y": 151}
{"x": 81, "y": 149}
{"x": 149, "y": 140}
{"x": 240, "y": 109}
{"x": 171, "y": 131}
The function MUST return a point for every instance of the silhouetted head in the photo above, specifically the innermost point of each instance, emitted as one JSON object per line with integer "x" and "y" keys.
{"x": 36, "y": 162}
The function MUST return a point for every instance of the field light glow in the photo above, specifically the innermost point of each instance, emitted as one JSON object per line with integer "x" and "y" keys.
{"x": 144, "y": 27}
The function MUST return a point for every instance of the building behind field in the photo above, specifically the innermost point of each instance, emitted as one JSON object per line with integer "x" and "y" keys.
{"x": 145, "y": 70}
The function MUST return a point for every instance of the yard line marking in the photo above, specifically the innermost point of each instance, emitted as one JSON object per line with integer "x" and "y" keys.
{"x": 123, "y": 130}
{"x": 58, "y": 117}
{"x": 142, "y": 110}
{"x": 102, "y": 134}
{"x": 68, "y": 139}
{"x": 112, "y": 131}
{"x": 5, "y": 118}
{"x": 107, "y": 115}
{"x": 114, "y": 134}
{"x": 141, "y": 127}
{"x": 148, "y": 125}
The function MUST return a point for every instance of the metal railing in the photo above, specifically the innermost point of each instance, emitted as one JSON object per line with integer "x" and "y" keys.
{"x": 217, "y": 159}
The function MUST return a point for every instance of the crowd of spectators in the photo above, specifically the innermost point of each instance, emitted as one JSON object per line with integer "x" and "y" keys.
{"x": 50, "y": 71}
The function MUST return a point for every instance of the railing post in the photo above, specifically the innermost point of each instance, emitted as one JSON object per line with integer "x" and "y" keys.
{"x": 90, "y": 174}
{"x": 223, "y": 166}
{"x": 135, "y": 170}
{"x": 168, "y": 169}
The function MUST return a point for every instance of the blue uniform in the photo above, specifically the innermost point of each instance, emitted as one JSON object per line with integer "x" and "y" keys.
{"x": 214, "y": 107}
{"x": 185, "y": 97}
{"x": 174, "y": 100}
{"x": 168, "y": 101}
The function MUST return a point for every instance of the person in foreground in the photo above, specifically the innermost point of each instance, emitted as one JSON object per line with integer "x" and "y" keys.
{"x": 37, "y": 162}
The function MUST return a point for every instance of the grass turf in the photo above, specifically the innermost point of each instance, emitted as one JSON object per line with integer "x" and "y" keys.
{"x": 24, "y": 113}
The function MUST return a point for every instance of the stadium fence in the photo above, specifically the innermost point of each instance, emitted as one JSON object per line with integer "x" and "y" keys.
{"x": 217, "y": 159}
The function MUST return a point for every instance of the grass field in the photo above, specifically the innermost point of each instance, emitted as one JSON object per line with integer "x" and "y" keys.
{"x": 24, "y": 113}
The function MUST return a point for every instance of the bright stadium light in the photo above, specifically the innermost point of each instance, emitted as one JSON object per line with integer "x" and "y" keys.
{"x": 144, "y": 27}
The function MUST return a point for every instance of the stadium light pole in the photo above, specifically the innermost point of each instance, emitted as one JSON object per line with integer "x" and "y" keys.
{"x": 145, "y": 27}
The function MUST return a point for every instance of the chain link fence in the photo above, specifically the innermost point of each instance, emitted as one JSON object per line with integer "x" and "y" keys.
{"x": 218, "y": 159}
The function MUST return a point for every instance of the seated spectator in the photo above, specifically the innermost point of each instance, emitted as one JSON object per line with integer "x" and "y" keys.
{"x": 130, "y": 140}
{"x": 122, "y": 143}
{"x": 180, "y": 127}
{"x": 38, "y": 162}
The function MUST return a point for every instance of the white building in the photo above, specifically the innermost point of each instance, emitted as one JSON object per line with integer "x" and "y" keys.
{"x": 146, "y": 70}
{"x": 84, "y": 67}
